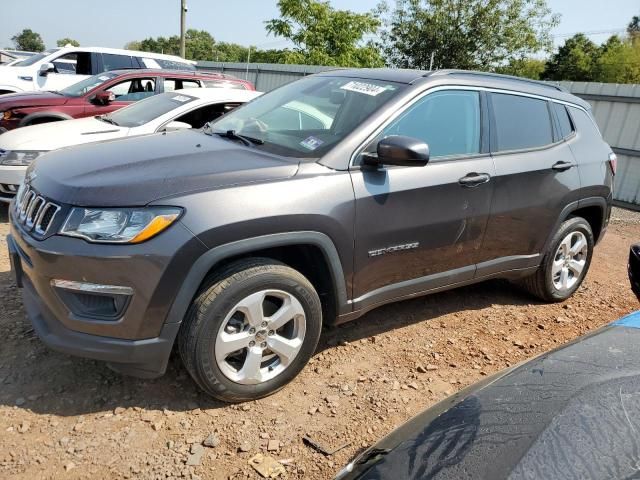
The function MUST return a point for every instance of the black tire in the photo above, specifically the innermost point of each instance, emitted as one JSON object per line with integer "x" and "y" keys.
{"x": 199, "y": 330}
{"x": 541, "y": 283}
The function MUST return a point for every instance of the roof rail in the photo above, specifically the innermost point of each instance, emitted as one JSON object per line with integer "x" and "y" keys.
{"x": 494, "y": 75}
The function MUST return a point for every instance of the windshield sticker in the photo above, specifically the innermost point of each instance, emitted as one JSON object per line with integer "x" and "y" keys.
{"x": 104, "y": 78}
{"x": 362, "y": 87}
{"x": 311, "y": 143}
{"x": 181, "y": 98}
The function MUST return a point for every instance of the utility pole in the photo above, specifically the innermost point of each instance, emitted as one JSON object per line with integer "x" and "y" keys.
{"x": 183, "y": 27}
{"x": 246, "y": 75}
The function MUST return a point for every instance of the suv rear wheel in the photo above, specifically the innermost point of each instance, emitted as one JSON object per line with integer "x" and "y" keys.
{"x": 565, "y": 264}
{"x": 251, "y": 330}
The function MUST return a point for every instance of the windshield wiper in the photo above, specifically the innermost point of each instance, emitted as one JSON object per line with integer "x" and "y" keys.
{"x": 110, "y": 120}
{"x": 248, "y": 141}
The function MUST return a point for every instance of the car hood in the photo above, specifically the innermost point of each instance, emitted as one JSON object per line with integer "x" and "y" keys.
{"x": 31, "y": 99}
{"x": 140, "y": 170}
{"x": 570, "y": 413}
{"x": 54, "y": 135}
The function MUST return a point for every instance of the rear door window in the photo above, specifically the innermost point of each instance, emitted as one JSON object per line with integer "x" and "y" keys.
{"x": 116, "y": 62}
{"x": 172, "y": 84}
{"x": 520, "y": 122}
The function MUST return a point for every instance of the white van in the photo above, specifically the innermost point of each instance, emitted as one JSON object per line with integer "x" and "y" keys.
{"x": 58, "y": 68}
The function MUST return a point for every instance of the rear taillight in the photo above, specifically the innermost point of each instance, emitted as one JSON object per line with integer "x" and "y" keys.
{"x": 613, "y": 162}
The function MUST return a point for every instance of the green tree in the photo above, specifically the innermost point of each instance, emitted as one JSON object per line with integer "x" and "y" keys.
{"x": 67, "y": 41}
{"x": 524, "y": 67}
{"x": 575, "y": 60}
{"x": 323, "y": 35}
{"x": 633, "y": 29}
{"x": 618, "y": 61}
{"x": 28, "y": 40}
{"x": 470, "y": 34}
{"x": 199, "y": 45}
{"x": 133, "y": 45}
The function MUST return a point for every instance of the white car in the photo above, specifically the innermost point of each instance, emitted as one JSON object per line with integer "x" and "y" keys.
{"x": 187, "y": 108}
{"x": 58, "y": 68}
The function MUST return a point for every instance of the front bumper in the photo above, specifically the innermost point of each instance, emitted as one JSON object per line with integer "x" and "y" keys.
{"x": 140, "y": 358}
{"x": 10, "y": 179}
{"x": 140, "y": 341}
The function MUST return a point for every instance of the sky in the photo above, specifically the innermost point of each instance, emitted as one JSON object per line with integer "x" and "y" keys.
{"x": 116, "y": 22}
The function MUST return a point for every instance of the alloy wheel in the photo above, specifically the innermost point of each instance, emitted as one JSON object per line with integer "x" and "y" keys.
{"x": 570, "y": 261}
{"x": 260, "y": 337}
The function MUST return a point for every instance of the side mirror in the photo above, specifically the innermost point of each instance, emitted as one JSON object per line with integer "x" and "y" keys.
{"x": 46, "y": 68}
{"x": 173, "y": 126}
{"x": 634, "y": 269}
{"x": 399, "y": 150}
{"x": 104, "y": 98}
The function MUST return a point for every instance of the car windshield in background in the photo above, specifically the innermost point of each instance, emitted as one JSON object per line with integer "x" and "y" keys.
{"x": 149, "y": 109}
{"x": 35, "y": 58}
{"x": 86, "y": 85}
{"x": 308, "y": 117}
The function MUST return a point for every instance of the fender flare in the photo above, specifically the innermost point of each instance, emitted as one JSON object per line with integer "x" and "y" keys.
{"x": 572, "y": 207}
{"x": 213, "y": 257}
{"x": 37, "y": 115}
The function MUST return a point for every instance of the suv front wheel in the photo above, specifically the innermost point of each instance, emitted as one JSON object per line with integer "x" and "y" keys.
{"x": 565, "y": 264}
{"x": 251, "y": 330}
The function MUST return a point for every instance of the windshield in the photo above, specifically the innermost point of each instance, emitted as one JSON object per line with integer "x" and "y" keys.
{"x": 35, "y": 58}
{"x": 86, "y": 85}
{"x": 308, "y": 117}
{"x": 149, "y": 109}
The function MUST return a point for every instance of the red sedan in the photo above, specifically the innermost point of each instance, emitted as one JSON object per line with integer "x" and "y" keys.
{"x": 103, "y": 93}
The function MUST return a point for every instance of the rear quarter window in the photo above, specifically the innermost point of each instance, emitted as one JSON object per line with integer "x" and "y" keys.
{"x": 564, "y": 120}
{"x": 520, "y": 122}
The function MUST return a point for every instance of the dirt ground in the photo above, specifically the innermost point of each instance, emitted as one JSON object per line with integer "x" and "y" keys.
{"x": 64, "y": 417}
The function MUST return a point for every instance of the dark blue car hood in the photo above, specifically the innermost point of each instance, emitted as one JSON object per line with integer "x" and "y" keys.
{"x": 573, "y": 413}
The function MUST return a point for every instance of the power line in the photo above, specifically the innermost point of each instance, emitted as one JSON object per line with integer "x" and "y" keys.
{"x": 588, "y": 33}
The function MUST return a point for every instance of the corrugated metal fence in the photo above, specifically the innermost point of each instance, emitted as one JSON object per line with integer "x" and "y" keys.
{"x": 616, "y": 109}
{"x": 265, "y": 76}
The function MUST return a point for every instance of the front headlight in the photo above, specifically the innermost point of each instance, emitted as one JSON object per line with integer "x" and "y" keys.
{"x": 118, "y": 225}
{"x": 19, "y": 158}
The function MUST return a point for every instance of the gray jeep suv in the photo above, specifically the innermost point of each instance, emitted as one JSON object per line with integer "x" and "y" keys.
{"x": 310, "y": 205}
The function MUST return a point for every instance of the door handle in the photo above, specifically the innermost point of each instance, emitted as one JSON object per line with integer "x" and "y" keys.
{"x": 474, "y": 179}
{"x": 562, "y": 166}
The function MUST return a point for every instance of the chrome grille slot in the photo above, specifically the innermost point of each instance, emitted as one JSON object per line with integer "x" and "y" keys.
{"x": 34, "y": 212}
{"x": 29, "y": 197}
{"x": 47, "y": 214}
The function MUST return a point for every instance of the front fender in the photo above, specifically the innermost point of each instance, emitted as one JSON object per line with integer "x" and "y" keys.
{"x": 215, "y": 256}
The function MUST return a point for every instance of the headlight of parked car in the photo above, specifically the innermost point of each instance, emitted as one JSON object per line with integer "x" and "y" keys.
{"x": 118, "y": 225}
{"x": 19, "y": 158}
